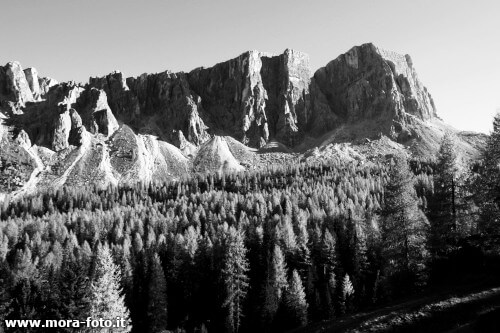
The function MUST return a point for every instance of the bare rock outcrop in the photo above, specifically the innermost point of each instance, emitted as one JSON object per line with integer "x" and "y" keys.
{"x": 155, "y": 104}
{"x": 256, "y": 96}
{"x": 234, "y": 98}
{"x": 97, "y": 116}
{"x": 77, "y": 129}
{"x": 13, "y": 84}
{"x": 47, "y": 122}
{"x": 162, "y": 126}
{"x": 33, "y": 82}
{"x": 372, "y": 86}
{"x": 62, "y": 128}
{"x": 45, "y": 83}
{"x": 287, "y": 79}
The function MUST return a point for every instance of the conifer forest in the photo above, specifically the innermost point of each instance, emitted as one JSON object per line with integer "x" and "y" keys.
{"x": 263, "y": 251}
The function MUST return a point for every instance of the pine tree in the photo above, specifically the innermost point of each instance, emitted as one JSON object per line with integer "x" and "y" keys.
{"x": 235, "y": 279}
{"x": 404, "y": 230}
{"x": 157, "y": 300}
{"x": 106, "y": 299}
{"x": 295, "y": 302}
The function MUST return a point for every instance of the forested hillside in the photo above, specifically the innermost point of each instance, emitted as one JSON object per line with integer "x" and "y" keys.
{"x": 254, "y": 251}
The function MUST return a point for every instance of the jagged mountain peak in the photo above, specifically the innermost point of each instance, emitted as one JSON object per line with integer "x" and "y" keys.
{"x": 368, "y": 82}
{"x": 257, "y": 99}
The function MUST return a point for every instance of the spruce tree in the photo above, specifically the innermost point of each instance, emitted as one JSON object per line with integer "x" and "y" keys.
{"x": 235, "y": 279}
{"x": 106, "y": 299}
{"x": 404, "y": 230}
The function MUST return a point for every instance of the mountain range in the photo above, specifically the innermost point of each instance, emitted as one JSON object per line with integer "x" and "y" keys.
{"x": 242, "y": 114}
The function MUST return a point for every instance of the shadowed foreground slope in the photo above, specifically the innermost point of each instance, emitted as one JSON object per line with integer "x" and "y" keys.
{"x": 449, "y": 311}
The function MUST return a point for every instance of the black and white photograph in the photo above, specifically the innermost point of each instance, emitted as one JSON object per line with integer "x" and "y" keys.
{"x": 229, "y": 166}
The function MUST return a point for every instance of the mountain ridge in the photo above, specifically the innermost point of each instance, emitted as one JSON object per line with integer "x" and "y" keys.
{"x": 114, "y": 124}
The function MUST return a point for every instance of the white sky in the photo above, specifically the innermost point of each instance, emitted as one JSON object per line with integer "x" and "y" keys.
{"x": 455, "y": 45}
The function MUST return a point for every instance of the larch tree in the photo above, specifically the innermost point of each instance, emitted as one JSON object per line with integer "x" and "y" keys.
{"x": 443, "y": 205}
{"x": 488, "y": 183}
{"x": 5, "y": 298}
{"x": 347, "y": 293}
{"x": 275, "y": 284}
{"x": 74, "y": 288}
{"x": 295, "y": 302}
{"x": 106, "y": 297}
{"x": 404, "y": 230}
{"x": 235, "y": 279}
{"x": 327, "y": 264}
{"x": 157, "y": 300}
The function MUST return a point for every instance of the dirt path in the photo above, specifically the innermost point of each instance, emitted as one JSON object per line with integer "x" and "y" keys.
{"x": 441, "y": 312}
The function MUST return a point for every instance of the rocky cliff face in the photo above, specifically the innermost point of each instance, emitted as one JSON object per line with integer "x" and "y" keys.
{"x": 160, "y": 104}
{"x": 373, "y": 87}
{"x": 33, "y": 82}
{"x": 256, "y": 97}
{"x": 161, "y": 126}
{"x": 13, "y": 84}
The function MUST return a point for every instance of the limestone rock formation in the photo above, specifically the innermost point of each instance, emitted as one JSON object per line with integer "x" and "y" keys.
{"x": 162, "y": 126}
{"x": 287, "y": 78}
{"x": 61, "y": 131}
{"x": 45, "y": 83}
{"x": 33, "y": 82}
{"x": 371, "y": 86}
{"x": 256, "y": 96}
{"x": 77, "y": 130}
{"x": 179, "y": 140}
{"x": 155, "y": 104}
{"x": 13, "y": 84}
{"x": 96, "y": 113}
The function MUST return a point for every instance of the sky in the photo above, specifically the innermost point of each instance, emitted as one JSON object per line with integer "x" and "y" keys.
{"x": 455, "y": 45}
